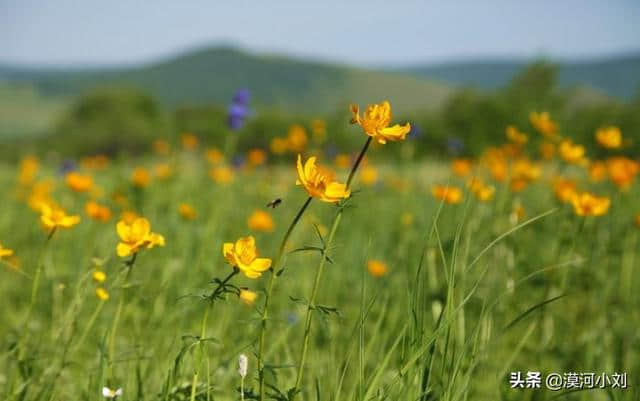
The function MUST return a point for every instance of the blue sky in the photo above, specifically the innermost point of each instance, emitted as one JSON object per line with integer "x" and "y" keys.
{"x": 92, "y": 32}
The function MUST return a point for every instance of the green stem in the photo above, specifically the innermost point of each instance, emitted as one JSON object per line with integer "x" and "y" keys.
{"x": 203, "y": 332}
{"x": 92, "y": 320}
{"x": 34, "y": 289}
{"x": 272, "y": 279}
{"x": 114, "y": 327}
{"x": 319, "y": 271}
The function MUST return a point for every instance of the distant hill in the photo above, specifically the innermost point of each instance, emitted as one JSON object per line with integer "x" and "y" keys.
{"x": 213, "y": 75}
{"x": 616, "y": 76}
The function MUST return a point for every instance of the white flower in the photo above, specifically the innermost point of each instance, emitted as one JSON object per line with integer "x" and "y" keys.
{"x": 243, "y": 364}
{"x": 109, "y": 393}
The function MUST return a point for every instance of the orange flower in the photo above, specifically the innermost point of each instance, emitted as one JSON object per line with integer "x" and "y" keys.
{"x": 368, "y": 175}
{"x": 79, "y": 182}
{"x": 319, "y": 182}
{"x": 622, "y": 171}
{"x": 597, "y": 170}
{"x": 448, "y": 194}
{"x": 565, "y": 189}
{"x": 214, "y": 156}
{"x": 140, "y": 177}
{"x": 637, "y": 220}
{"x": 97, "y": 162}
{"x": 376, "y": 120}
{"x": 342, "y": 161}
{"x": 161, "y": 147}
{"x": 543, "y": 123}
{"x": 260, "y": 221}
{"x": 461, "y": 167}
{"x": 256, "y": 157}
{"x": 377, "y": 268}
{"x": 4, "y": 252}
{"x": 515, "y": 136}
{"x": 587, "y": 204}
{"x": 162, "y": 171}
{"x": 187, "y": 211}
{"x": 278, "y": 146}
{"x": 97, "y": 212}
{"x": 547, "y": 150}
{"x": 296, "y": 138}
{"x": 221, "y": 174}
{"x": 609, "y": 137}
{"x": 189, "y": 141}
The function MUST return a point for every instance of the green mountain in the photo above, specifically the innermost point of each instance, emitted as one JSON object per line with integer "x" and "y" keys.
{"x": 616, "y": 76}
{"x": 213, "y": 75}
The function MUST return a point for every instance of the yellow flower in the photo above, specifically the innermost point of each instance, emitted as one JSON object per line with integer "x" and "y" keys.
{"x": 97, "y": 162}
{"x": 102, "y": 294}
{"x": 480, "y": 190}
{"x": 543, "y": 123}
{"x": 406, "y": 219}
{"x": 28, "y": 170}
{"x": 136, "y": 235}
{"x": 53, "y": 217}
{"x": 161, "y": 147}
{"x": 79, "y": 182}
{"x": 515, "y": 136}
{"x": 565, "y": 189}
{"x": 296, "y": 138}
{"x": 461, "y": 167}
{"x": 375, "y": 123}
{"x": 5, "y": 251}
{"x": 99, "y": 276}
{"x": 260, "y": 221}
{"x": 256, "y": 157}
{"x": 189, "y": 141}
{"x": 547, "y": 150}
{"x": 342, "y": 161}
{"x": 319, "y": 182}
{"x": 247, "y": 296}
{"x": 221, "y": 174}
{"x": 319, "y": 130}
{"x": 214, "y": 156}
{"x": 377, "y": 268}
{"x": 187, "y": 211}
{"x": 97, "y": 211}
{"x": 448, "y": 194}
{"x": 609, "y": 137}
{"x": 244, "y": 255}
{"x": 162, "y": 171}
{"x": 571, "y": 153}
{"x": 587, "y": 204}
{"x": 278, "y": 146}
{"x": 140, "y": 177}
{"x": 368, "y": 175}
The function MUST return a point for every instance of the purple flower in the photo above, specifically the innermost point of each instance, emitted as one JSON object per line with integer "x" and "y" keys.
{"x": 67, "y": 166}
{"x": 455, "y": 145}
{"x": 238, "y": 109}
{"x": 415, "y": 132}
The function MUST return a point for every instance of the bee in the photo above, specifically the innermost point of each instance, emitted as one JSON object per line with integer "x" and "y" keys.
{"x": 274, "y": 203}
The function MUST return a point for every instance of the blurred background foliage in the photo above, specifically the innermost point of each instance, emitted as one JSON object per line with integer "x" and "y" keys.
{"x": 116, "y": 119}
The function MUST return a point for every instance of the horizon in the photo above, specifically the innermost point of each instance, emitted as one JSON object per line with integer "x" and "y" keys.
{"x": 67, "y": 34}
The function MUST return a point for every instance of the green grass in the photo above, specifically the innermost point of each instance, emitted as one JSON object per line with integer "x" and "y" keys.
{"x": 471, "y": 293}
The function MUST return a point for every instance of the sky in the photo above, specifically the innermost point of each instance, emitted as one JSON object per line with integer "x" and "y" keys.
{"x": 368, "y": 33}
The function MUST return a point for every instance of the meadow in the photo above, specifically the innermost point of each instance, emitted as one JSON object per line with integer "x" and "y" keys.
{"x": 134, "y": 278}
